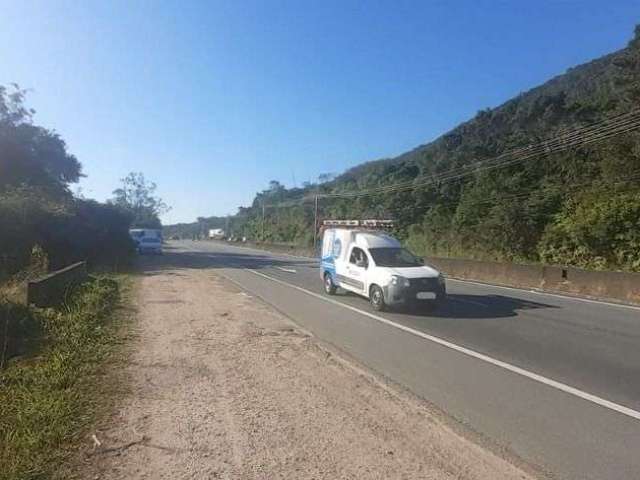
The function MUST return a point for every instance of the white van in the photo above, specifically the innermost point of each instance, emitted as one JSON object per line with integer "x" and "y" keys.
{"x": 373, "y": 264}
{"x": 147, "y": 240}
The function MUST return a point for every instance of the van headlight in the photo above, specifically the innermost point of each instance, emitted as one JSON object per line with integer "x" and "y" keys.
{"x": 400, "y": 281}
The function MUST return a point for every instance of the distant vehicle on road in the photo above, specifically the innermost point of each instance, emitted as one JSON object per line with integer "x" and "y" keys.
{"x": 150, "y": 245}
{"x": 216, "y": 234}
{"x": 138, "y": 233}
{"x": 147, "y": 240}
{"x": 359, "y": 257}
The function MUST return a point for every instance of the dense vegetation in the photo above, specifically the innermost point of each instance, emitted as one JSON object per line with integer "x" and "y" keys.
{"x": 577, "y": 206}
{"x": 37, "y": 208}
{"x": 36, "y": 205}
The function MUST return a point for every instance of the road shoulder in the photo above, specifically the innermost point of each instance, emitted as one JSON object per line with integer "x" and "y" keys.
{"x": 223, "y": 386}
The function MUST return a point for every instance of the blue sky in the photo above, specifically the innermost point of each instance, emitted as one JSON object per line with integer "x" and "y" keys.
{"x": 211, "y": 100}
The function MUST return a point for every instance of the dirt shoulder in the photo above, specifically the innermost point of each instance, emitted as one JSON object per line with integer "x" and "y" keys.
{"x": 225, "y": 387}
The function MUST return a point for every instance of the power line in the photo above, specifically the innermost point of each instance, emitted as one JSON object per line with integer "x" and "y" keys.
{"x": 548, "y": 191}
{"x": 598, "y": 132}
{"x": 456, "y": 176}
{"x": 579, "y": 137}
{"x": 289, "y": 203}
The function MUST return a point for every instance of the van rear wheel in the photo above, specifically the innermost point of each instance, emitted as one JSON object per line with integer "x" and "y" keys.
{"x": 376, "y": 297}
{"x": 329, "y": 286}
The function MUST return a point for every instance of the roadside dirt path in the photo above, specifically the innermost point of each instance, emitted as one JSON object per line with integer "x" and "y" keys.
{"x": 225, "y": 387}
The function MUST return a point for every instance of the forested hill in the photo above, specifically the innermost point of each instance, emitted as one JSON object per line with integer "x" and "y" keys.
{"x": 195, "y": 229}
{"x": 576, "y": 205}
{"x": 583, "y": 95}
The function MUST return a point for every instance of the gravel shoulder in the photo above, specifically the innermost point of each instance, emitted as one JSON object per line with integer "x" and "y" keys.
{"x": 223, "y": 386}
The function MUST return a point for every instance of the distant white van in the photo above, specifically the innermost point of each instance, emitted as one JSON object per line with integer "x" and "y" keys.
{"x": 216, "y": 234}
{"x": 373, "y": 264}
{"x": 147, "y": 240}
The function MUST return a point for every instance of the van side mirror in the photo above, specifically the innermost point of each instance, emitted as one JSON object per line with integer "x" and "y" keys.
{"x": 421, "y": 260}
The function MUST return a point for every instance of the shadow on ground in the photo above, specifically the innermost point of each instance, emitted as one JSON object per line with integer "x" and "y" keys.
{"x": 458, "y": 306}
{"x": 174, "y": 259}
{"x": 461, "y": 306}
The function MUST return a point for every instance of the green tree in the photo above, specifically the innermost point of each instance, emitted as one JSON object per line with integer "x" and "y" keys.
{"x": 38, "y": 213}
{"x": 29, "y": 154}
{"x": 137, "y": 196}
{"x": 599, "y": 228}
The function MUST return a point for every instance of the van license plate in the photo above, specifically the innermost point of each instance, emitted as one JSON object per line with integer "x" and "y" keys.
{"x": 426, "y": 296}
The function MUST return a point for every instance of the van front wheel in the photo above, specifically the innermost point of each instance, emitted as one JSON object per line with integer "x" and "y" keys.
{"x": 329, "y": 286}
{"x": 376, "y": 297}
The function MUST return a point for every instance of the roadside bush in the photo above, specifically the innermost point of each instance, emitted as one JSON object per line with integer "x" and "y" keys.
{"x": 96, "y": 232}
{"x": 68, "y": 230}
{"x": 47, "y": 400}
{"x": 597, "y": 230}
{"x": 25, "y": 214}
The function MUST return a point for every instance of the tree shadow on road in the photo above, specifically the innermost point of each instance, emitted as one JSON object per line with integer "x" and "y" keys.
{"x": 178, "y": 260}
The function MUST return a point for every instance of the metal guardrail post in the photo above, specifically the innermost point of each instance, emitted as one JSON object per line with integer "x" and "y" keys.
{"x": 262, "y": 235}
{"x": 315, "y": 225}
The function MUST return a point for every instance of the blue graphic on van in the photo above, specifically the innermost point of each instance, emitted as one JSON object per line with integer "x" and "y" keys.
{"x": 337, "y": 247}
{"x": 328, "y": 266}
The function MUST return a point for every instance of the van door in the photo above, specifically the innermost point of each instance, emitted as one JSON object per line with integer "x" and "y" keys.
{"x": 328, "y": 255}
{"x": 356, "y": 270}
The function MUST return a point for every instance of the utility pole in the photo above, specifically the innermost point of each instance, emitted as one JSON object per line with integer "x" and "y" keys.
{"x": 262, "y": 221}
{"x": 315, "y": 224}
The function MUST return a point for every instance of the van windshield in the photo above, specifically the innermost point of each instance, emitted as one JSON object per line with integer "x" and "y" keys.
{"x": 394, "y": 257}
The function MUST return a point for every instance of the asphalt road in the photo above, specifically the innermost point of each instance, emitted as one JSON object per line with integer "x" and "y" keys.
{"x": 554, "y": 380}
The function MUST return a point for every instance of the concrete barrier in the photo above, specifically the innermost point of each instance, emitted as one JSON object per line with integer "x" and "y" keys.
{"x": 525, "y": 276}
{"x": 617, "y": 286}
{"x": 622, "y": 286}
{"x": 51, "y": 289}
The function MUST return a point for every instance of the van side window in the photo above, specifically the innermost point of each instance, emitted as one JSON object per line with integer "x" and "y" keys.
{"x": 359, "y": 258}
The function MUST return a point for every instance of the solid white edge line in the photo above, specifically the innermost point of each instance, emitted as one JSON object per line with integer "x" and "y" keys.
{"x": 288, "y": 270}
{"x": 471, "y": 353}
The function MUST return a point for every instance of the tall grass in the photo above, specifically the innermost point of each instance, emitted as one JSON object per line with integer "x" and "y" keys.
{"x": 47, "y": 398}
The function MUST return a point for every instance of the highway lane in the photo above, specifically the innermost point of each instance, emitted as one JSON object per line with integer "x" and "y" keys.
{"x": 590, "y": 345}
{"x": 587, "y": 345}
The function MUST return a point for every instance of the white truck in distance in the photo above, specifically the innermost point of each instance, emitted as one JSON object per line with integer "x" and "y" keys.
{"x": 358, "y": 257}
{"x": 216, "y": 234}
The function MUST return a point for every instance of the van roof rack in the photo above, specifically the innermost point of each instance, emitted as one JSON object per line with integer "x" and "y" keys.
{"x": 371, "y": 223}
